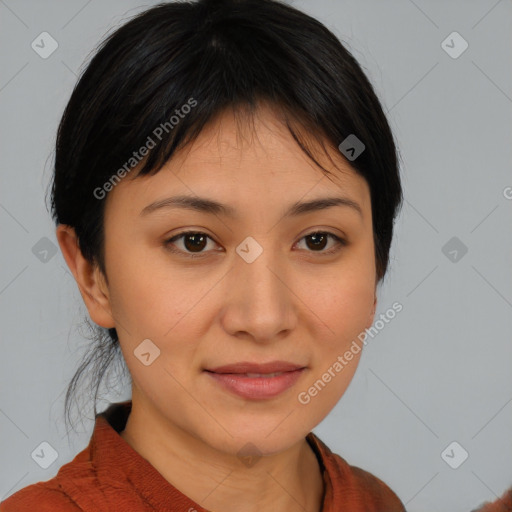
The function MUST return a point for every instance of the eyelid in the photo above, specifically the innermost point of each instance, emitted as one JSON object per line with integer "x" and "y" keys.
{"x": 341, "y": 241}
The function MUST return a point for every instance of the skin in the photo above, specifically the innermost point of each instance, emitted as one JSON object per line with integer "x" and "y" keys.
{"x": 290, "y": 304}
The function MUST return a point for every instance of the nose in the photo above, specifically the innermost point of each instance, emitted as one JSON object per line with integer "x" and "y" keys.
{"x": 259, "y": 303}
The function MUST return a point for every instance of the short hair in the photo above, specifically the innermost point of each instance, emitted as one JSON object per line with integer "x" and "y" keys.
{"x": 211, "y": 55}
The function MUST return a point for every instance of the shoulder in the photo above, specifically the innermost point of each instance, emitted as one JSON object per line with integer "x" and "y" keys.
{"x": 73, "y": 489}
{"x": 43, "y": 497}
{"x": 381, "y": 494}
{"x": 368, "y": 489}
{"x": 356, "y": 488}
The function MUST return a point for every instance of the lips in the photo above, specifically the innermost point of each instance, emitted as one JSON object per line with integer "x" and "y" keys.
{"x": 253, "y": 381}
{"x": 261, "y": 369}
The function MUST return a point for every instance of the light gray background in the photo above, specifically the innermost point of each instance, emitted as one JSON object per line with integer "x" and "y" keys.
{"x": 439, "y": 372}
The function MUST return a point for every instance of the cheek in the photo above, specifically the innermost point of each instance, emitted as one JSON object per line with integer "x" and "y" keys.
{"x": 347, "y": 317}
{"x": 346, "y": 308}
{"x": 351, "y": 305}
{"x": 346, "y": 302}
{"x": 144, "y": 299}
{"x": 152, "y": 301}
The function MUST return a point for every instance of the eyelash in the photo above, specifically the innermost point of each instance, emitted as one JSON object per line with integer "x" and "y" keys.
{"x": 168, "y": 243}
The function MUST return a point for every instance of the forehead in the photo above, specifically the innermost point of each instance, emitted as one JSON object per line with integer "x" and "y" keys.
{"x": 238, "y": 137}
{"x": 246, "y": 157}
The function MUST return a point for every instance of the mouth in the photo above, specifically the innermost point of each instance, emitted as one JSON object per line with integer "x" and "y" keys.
{"x": 257, "y": 381}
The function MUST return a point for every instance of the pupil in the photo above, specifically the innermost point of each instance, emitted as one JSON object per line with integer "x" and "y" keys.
{"x": 315, "y": 237}
{"x": 195, "y": 246}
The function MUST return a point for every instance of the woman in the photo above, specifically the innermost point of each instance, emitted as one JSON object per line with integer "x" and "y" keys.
{"x": 225, "y": 190}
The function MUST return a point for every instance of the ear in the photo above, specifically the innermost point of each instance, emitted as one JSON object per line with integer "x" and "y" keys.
{"x": 372, "y": 312}
{"x": 89, "y": 278}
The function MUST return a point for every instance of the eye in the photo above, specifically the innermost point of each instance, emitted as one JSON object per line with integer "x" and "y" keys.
{"x": 194, "y": 242}
{"x": 318, "y": 240}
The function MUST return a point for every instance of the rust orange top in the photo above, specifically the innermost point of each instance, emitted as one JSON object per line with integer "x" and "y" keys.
{"x": 109, "y": 475}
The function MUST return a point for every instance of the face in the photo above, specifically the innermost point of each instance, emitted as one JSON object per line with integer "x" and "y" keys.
{"x": 255, "y": 283}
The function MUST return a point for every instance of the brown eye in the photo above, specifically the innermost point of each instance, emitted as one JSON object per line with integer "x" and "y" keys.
{"x": 193, "y": 242}
{"x": 317, "y": 241}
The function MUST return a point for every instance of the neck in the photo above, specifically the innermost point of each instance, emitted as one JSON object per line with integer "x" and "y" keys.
{"x": 288, "y": 481}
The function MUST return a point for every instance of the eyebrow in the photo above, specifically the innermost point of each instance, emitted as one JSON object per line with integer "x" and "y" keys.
{"x": 205, "y": 205}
